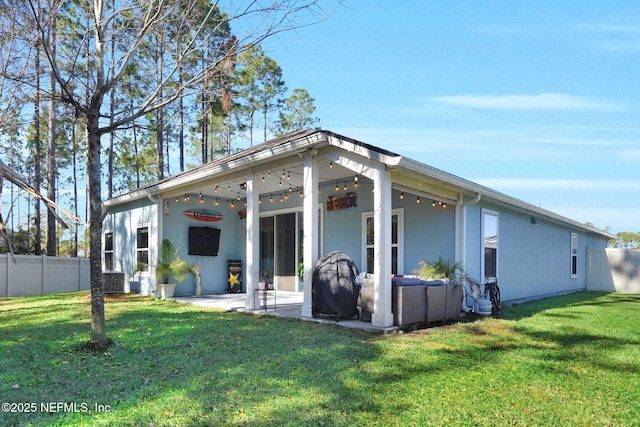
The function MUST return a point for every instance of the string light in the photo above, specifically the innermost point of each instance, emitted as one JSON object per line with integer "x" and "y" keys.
{"x": 418, "y": 200}
{"x": 331, "y": 165}
{"x": 401, "y": 195}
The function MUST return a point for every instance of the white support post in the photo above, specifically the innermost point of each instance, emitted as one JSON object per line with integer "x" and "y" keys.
{"x": 382, "y": 314}
{"x": 310, "y": 228}
{"x": 252, "y": 257}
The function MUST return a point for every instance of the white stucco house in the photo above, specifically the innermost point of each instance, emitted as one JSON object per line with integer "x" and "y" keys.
{"x": 282, "y": 204}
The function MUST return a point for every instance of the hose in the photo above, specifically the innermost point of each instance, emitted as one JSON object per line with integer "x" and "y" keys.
{"x": 493, "y": 290}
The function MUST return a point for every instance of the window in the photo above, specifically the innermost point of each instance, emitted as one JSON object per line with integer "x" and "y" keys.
{"x": 490, "y": 243}
{"x": 574, "y": 255}
{"x": 142, "y": 248}
{"x": 397, "y": 235}
{"x": 108, "y": 251}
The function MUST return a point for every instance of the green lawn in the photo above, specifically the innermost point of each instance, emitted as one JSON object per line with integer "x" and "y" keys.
{"x": 567, "y": 361}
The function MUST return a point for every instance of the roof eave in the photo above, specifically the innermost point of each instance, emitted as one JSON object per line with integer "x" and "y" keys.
{"x": 471, "y": 188}
{"x": 208, "y": 170}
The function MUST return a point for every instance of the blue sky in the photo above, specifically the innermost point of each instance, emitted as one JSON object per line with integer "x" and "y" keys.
{"x": 539, "y": 100}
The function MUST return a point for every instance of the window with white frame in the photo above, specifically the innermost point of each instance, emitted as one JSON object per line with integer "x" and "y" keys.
{"x": 397, "y": 241}
{"x": 574, "y": 255}
{"x": 142, "y": 248}
{"x": 490, "y": 243}
{"x": 108, "y": 251}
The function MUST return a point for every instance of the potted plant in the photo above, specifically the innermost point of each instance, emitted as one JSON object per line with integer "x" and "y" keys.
{"x": 440, "y": 269}
{"x": 133, "y": 283}
{"x": 169, "y": 266}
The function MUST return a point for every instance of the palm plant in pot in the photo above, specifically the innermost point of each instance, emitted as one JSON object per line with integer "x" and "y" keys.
{"x": 170, "y": 266}
{"x": 442, "y": 269}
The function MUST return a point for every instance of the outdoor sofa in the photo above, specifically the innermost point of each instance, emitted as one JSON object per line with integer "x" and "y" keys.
{"x": 415, "y": 300}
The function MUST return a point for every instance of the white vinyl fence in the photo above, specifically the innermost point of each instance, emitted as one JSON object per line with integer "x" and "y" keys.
{"x": 614, "y": 270}
{"x": 25, "y": 275}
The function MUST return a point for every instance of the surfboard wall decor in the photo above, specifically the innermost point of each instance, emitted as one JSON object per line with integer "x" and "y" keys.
{"x": 206, "y": 215}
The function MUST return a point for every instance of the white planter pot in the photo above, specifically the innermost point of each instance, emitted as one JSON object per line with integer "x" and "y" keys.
{"x": 165, "y": 290}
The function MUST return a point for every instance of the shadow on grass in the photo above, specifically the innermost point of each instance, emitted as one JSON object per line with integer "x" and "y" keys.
{"x": 242, "y": 369}
{"x": 173, "y": 364}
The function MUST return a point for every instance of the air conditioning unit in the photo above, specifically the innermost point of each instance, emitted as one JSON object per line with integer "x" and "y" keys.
{"x": 113, "y": 282}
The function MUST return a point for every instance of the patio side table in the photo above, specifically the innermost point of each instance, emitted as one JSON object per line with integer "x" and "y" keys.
{"x": 264, "y": 293}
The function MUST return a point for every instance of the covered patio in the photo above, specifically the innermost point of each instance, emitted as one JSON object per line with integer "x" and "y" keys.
{"x": 327, "y": 173}
{"x": 288, "y": 304}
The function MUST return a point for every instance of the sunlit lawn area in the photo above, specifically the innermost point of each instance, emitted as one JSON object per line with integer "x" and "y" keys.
{"x": 567, "y": 361}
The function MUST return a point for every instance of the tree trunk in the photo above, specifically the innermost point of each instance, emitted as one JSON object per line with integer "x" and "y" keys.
{"x": 52, "y": 164}
{"x": 160, "y": 142}
{"x": 160, "y": 112}
{"x": 98, "y": 330}
{"x": 112, "y": 107}
{"x": 134, "y": 129}
{"x": 52, "y": 173}
{"x": 74, "y": 253}
{"x": 37, "y": 171}
{"x": 181, "y": 132}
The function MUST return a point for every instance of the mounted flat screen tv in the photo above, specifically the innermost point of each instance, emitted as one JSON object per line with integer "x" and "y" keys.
{"x": 204, "y": 241}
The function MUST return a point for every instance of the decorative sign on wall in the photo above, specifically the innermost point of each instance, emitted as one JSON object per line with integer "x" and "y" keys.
{"x": 335, "y": 203}
{"x": 206, "y": 215}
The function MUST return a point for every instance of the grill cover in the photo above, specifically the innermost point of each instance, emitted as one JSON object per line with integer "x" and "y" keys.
{"x": 334, "y": 288}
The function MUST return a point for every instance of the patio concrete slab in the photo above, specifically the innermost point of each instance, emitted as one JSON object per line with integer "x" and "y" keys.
{"x": 287, "y": 304}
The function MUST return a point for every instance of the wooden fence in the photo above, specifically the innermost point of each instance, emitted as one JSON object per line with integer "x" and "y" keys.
{"x": 614, "y": 270}
{"x": 25, "y": 275}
